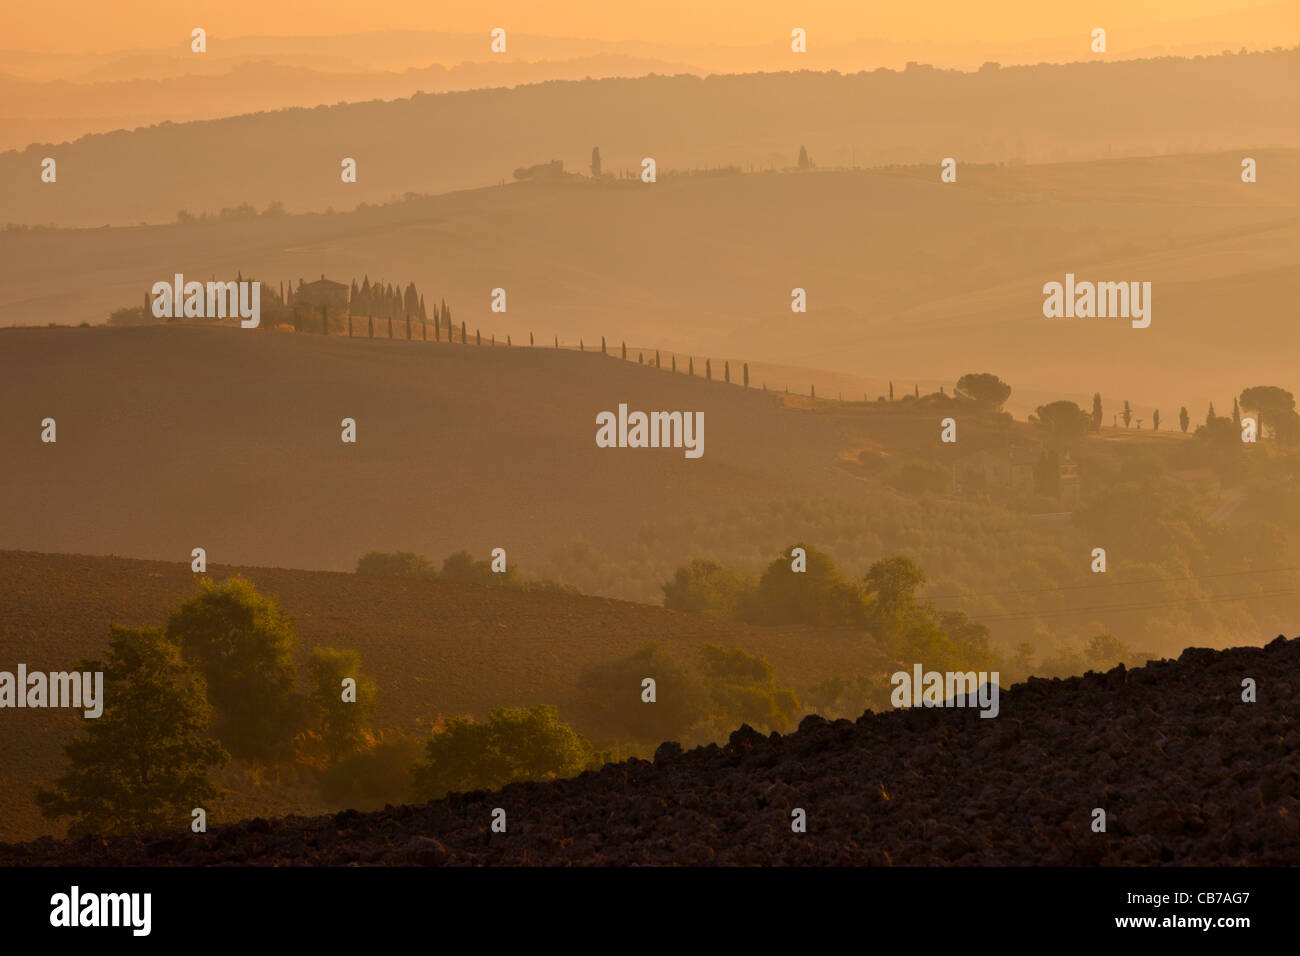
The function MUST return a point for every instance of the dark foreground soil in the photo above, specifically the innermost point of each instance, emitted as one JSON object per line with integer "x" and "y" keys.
{"x": 1186, "y": 771}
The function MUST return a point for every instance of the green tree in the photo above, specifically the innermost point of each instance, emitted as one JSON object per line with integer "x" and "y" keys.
{"x": 1065, "y": 422}
{"x": 1105, "y": 650}
{"x": 143, "y": 763}
{"x": 610, "y": 697}
{"x": 343, "y": 723}
{"x": 819, "y": 595}
{"x": 1269, "y": 403}
{"x": 514, "y": 744}
{"x": 242, "y": 644}
{"x": 837, "y": 697}
{"x": 706, "y": 587}
{"x": 461, "y": 568}
{"x": 743, "y": 690}
{"x": 891, "y": 585}
{"x": 983, "y": 387}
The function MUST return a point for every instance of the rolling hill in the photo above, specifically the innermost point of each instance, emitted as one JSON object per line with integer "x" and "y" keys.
{"x": 458, "y": 140}
{"x": 1186, "y": 773}
{"x": 908, "y": 279}
{"x": 432, "y": 648}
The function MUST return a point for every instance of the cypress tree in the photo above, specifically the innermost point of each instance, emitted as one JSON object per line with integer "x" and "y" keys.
{"x": 813, "y": 392}
{"x": 691, "y": 360}
{"x": 462, "y": 333}
{"x": 746, "y": 375}
{"x": 657, "y": 365}
{"x": 708, "y": 369}
{"x": 674, "y": 364}
{"x": 530, "y": 339}
{"x": 891, "y": 392}
{"x": 478, "y": 337}
{"x": 726, "y": 372}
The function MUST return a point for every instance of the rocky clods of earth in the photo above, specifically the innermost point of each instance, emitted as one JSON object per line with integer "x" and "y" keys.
{"x": 1186, "y": 771}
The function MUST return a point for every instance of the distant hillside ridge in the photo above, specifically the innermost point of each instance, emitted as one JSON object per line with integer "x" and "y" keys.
{"x": 446, "y": 141}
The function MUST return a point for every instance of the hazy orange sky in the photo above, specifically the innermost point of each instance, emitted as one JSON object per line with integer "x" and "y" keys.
{"x": 82, "y": 26}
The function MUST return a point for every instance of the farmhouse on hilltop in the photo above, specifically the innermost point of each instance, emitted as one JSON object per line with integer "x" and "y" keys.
{"x": 323, "y": 291}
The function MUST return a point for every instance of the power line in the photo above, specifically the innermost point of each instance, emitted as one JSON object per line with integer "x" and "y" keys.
{"x": 1117, "y": 584}
{"x": 1139, "y": 606}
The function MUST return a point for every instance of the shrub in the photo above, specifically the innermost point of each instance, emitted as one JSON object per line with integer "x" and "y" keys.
{"x": 515, "y": 744}
{"x": 397, "y": 564}
{"x": 707, "y": 587}
{"x": 376, "y": 775}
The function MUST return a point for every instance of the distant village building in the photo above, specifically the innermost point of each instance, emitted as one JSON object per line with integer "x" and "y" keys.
{"x": 1022, "y": 468}
{"x": 1069, "y": 491}
{"x": 1012, "y": 468}
{"x": 324, "y": 292}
